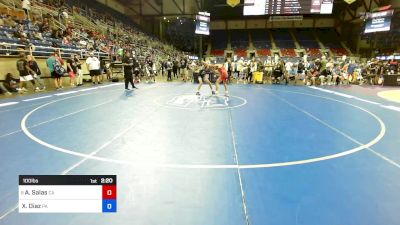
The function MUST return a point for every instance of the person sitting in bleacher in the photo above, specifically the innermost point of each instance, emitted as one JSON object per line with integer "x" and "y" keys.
{"x": 9, "y": 22}
{"x": 37, "y": 35}
{"x": 26, "y": 6}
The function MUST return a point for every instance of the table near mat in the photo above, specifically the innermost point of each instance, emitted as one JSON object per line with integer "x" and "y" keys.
{"x": 391, "y": 80}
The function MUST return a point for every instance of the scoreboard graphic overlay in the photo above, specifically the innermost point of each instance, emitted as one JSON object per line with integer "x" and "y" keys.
{"x": 67, "y": 193}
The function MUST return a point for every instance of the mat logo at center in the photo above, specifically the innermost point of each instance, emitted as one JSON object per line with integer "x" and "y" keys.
{"x": 193, "y": 101}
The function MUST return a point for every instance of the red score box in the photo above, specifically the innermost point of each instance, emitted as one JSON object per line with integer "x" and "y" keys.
{"x": 109, "y": 192}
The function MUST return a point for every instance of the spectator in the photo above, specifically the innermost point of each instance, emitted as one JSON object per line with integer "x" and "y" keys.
{"x": 393, "y": 66}
{"x": 169, "y": 69}
{"x": 26, "y": 6}
{"x": 36, "y": 71}
{"x": 4, "y": 90}
{"x": 11, "y": 83}
{"x": 72, "y": 70}
{"x": 175, "y": 68}
{"x": 93, "y": 65}
{"x": 37, "y": 35}
{"x": 252, "y": 69}
{"x": 277, "y": 73}
{"x": 326, "y": 76}
{"x": 9, "y": 22}
{"x": 25, "y": 74}
{"x": 54, "y": 64}
{"x": 79, "y": 74}
{"x": 19, "y": 32}
{"x": 136, "y": 70}
{"x": 336, "y": 74}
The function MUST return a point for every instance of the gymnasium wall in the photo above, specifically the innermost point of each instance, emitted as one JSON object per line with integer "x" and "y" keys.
{"x": 114, "y": 5}
{"x": 8, "y": 65}
{"x": 265, "y": 23}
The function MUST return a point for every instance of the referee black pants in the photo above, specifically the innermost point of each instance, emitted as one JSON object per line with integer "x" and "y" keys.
{"x": 128, "y": 79}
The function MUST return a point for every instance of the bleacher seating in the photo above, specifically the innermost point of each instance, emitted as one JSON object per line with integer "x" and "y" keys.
{"x": 264, "y": 52}
{"x": 241, "y": 52}
{"x": 288, "y": 52}
{"x": 329, "y": 38}
{"x": 219, "y": 40}
{"x": 339, "y": 51}
{"x": 314, "y": 52}
{"x": 217, "y": 52}
{"x": 239, "y": 39}
{"x": 283, "y": 39}
{"x": 306, "y": 39}
{"x": 260, "y": 39}
{"x": 98, "y": 23}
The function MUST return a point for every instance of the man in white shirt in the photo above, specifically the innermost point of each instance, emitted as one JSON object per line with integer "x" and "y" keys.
{"x": 26, "y": 6}
{"x": 288, "y": 66}
{"x": 93, "y": 65}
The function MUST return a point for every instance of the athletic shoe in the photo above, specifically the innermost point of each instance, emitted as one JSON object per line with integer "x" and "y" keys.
{"x": 213, "y": 92}
{"x": 128, "y": 89}
{"x": 135, "y": 87}
{"x": 99, "y": 83}
{"x": 8, "y": 93}
{"x": 21, "y": 91}
{"x": 197, "y": 93}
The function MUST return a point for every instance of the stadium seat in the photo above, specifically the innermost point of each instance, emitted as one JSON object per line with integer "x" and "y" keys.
{"x": 239, "y": 39}
{"x": 219, "y": 40}
{"x": 283, "y": 39}
{"x": 264, "y": 52}
{"x": 339, "y": 51}
{"x": 288, "y": 52}
{"x": 314, "y": 52}
{"x": 241, "y": 52}
{"x": 216, "y": 52}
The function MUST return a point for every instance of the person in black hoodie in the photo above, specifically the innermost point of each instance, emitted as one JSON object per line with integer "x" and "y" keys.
{"x": 9, "y": 85}
{"x": 175, "y": 68}
{"x": 277, "y": 73}
{"x": 35, "y": 68}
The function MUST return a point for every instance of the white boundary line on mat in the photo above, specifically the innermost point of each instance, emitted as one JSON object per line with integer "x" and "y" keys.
{"x": 394, "y": 108}
{"x": 210, "y": 166}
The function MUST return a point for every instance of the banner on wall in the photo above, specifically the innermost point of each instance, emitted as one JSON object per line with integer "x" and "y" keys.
{"x": 232, "y": 3}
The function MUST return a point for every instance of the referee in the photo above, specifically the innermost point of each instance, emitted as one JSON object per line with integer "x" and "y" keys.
{"x": 127, "y": 62}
